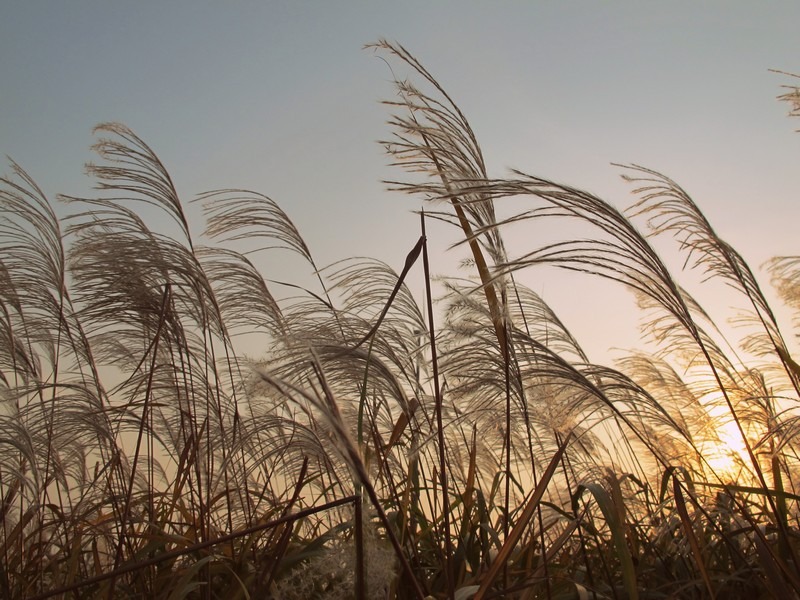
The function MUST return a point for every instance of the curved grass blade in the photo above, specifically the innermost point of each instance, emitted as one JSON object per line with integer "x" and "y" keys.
{"x": 680, "y": 505}
{"x": 617, "y": 527}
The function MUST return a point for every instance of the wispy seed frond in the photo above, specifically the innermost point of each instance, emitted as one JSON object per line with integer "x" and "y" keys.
{"x": 785, "y": 272}
{"x": 662, "y": 381}
{"x": 37, "y": 313}
{"x": 135, "y": 173}
{"x": 668, "y": 209}
{"x": 791, "y": 96}
{"x": 530, "y": 313}
{"x": 365, "y": 286}
{"x": 619, "y": 252}
{"x": 243, "y": 298}
{"x": 433, "y": 136}
{"x": 235, "y": 215}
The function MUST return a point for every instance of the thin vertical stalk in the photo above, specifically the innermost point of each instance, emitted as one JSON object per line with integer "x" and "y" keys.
{"x": 145, "y": 409}
{"x": 353, "y": 456}
{"x": 283, "y": 540}
{"x": 359, "y": 534}
{"x": 439, "y": 426}
{"x": 522, "y": 522}
{"x": 495, "y": 308}
{"x": 189, "y": 550}
{"x": 507, "y": 441}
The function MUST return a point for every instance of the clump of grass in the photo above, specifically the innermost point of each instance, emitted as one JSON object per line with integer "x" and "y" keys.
{"x": 332, "y": 572}
{"x": 143, "y": 456}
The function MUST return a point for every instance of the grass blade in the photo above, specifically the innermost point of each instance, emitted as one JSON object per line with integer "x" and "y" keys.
{"x": 519, "y": 527}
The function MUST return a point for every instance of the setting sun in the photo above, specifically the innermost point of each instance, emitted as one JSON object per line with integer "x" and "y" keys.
{"x": 727, "y": 456}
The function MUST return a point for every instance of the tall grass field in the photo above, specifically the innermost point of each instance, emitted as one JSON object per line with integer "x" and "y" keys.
{"x": 455, "y": 445}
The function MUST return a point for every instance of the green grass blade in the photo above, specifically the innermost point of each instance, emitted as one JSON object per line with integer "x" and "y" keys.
{"x": 617, "y": 527}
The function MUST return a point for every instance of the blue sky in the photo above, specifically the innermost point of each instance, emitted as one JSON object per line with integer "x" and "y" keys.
{"x": 281, "y": 98}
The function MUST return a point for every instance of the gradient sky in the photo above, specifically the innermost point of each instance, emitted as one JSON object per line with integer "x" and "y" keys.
{"x": 280, "y": 97}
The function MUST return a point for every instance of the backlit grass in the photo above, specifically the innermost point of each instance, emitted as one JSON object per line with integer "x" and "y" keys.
{"x": 383, "y": 445}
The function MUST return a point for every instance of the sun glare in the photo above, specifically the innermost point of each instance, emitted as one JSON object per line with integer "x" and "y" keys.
{"x": 728, "y": 456}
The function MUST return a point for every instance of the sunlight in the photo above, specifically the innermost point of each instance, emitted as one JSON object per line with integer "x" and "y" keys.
{"x": 728, "y": 456}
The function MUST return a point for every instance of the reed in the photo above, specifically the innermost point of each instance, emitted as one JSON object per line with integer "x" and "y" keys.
{"x": 380, "y": 448}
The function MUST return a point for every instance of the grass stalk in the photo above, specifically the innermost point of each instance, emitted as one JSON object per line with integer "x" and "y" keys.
{"x": 437, "y": 394}
{"x": 515, "y": 535}
{"x": 153, "y": 352}
{"x": 205, "y": 544}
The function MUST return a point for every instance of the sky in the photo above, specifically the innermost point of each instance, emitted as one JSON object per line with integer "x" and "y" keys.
{"x": 282, "y": 98}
